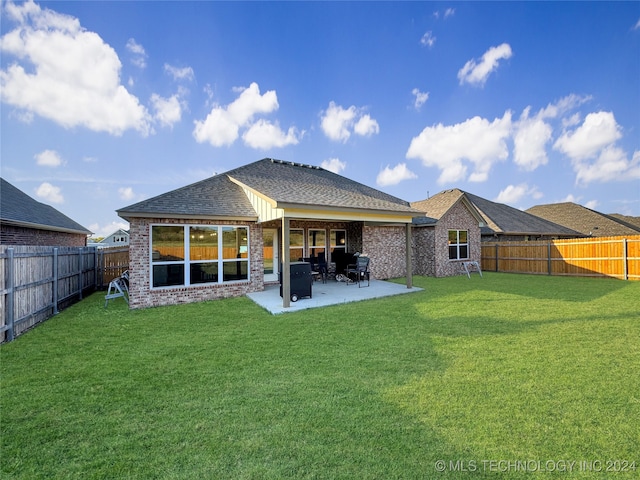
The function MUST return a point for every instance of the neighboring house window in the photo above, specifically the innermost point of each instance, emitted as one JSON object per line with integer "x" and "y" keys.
{"x": 191, "y": 255}
{"x": 458, "y": 245}
{"x": 338, "y": 241}
{"x": 296, "y": 244}
{"x": 317, "y": 242}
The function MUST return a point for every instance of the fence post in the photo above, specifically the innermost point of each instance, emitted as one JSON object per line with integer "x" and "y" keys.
{"x": 10, "y": 292}
{"x": 80, "y": 276}
{"x": 496, "y": 257}
{"x": 624, "y": 258}
{"x": 55, "y": 280}
{"x": 549, "y": 257}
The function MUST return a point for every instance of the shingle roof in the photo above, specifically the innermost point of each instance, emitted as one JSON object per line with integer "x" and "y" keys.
{"x": 215, "y": 196}
{"x": 499, "y": 218}
{"x": 18, "y": 208}
{"x": 584, "y": 220}
{"x": 286, "y": 183}
{"x": 295, "y": 183}
{"x": 439, "y": 204}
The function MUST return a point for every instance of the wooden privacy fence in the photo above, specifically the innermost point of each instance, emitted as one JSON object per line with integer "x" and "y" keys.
{"x": 37, "y": 282}
{"x": 617, "y": 257}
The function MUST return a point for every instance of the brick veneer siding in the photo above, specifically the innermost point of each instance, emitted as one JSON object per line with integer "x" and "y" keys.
{"x": 386, "y": 247}
{"x": 423, "y": 259}
{"x": 12, "y": 235}
{"x": 457, "y": 218}
{"x": 140, "y": 293}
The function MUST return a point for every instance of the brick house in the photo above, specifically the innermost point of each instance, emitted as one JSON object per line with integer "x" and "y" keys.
{"x": 25, "y": 221}
{"x": 447, "y": 235}
{"x": 230, "y": 234}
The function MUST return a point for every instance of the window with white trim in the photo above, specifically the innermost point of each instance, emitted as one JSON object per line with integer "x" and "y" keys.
{"x": 184, "y": 255}
{"x": 317, "y": 242}
{"x": 296, "y": 244}
{"x": 458, "y": 245}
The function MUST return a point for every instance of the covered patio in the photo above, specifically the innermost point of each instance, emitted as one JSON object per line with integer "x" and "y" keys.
{"x": 329, "y": 293}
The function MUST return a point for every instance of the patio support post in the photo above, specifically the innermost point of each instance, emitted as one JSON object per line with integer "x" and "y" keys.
{"x": 286, "y": 260}
{"x": 409, "y": 255}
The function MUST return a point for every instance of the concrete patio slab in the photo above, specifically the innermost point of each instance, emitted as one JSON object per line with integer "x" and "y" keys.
{"x": 330, "y": 293}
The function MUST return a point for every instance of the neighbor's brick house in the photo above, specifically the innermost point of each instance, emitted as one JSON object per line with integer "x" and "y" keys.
{"x": 224, "y": 236}
{"x": 25, "y": 221}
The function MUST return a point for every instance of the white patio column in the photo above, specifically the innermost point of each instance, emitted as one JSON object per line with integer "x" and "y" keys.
{"x": 286, "y": 260}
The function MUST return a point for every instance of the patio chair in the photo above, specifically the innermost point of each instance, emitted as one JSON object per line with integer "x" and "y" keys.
{"x": 360, "y": 270}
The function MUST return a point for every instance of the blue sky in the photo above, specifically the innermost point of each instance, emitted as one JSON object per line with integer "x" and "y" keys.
{"x": 108, "y": 103}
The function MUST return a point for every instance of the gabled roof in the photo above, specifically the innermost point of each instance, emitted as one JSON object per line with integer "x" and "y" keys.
{"x": 213, "y": 197}
{"x": 497, "y": 217}
{"x": 19, "y": 209}
{"x": 437, "y": 206}
{"x": 284, "y": 184}
{"x": 584, "y": 220}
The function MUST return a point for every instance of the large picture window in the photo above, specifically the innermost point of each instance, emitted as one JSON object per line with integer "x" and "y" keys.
{"x": 458, "y": 245}
{"x": 197, "y": 254}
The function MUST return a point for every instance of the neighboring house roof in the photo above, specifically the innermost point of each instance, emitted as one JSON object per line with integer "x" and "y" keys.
{"x": 437, "y": 206}
{"x": 283, "y": 184}
{"x": 626, "y": 219}
{"x": 497, "y": 217}
{"x": 584, "y": 220}
{"x": 19, "y": 209}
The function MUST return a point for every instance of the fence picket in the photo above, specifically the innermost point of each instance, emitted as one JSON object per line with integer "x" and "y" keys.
{"x": 37, "y": 282}
{"x": 617, "y": 257}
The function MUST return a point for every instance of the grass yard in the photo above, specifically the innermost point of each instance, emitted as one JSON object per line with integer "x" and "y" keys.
{"x": 506, "y": 376}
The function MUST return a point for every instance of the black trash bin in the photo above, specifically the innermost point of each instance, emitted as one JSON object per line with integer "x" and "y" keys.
{"x": 300, "y": 280}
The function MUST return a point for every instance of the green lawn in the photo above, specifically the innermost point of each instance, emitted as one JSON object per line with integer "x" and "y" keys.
{"x": 493, "y": 375}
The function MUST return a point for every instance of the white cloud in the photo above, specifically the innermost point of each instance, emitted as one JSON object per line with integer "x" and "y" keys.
{"x": 421, "y": 98}
{"x": 126, "y": 193}
{"x": 449, "y": 12}
{"x": 337, "y": 122}
{"x": 593, "y": 151}
{"x": 66, "y": 74}
{"x": 530, "y": 140}
{"x": 592, "y": 204}
{"x": 428, "y": 40}
{"x": 514, "y": 193}
{"x": 265, "y": 135}
{"x": 50, "y": 193}
{"x": 598, "y": 130}
{"x": 334, "y": 165}
{"x": 475, "y": 140}
{"x": 167, "y": 110}
{"x": 222, "y": 125}
{"x": 139, "y": 56}
{"x": 48, "y": 158}
{"x": 637, "y": 25}
{"x": 366, "y": 126}
{"x": 395, "y": 175}
{"x": 476, "y": 73}
{"x": 185, "y": 73}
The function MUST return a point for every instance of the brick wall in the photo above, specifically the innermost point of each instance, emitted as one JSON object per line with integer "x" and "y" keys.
{"x": 423, "y": 259}
{"x": 140, "y": 293}
{"x": 386, "y": 247}
{"x": 12, "y": 235}
{"x": 458, "y": 218}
